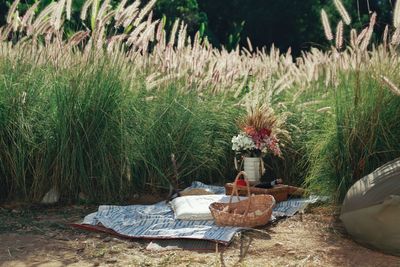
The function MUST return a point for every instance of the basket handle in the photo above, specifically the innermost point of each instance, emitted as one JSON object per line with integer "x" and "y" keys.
{"x": 235, "y": 190}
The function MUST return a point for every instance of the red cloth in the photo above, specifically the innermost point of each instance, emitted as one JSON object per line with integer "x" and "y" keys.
{"x": 241, "y": 182}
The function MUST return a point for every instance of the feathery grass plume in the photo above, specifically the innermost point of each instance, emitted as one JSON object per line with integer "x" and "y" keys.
{"x": 11, "y": 12}
{"x": 57, "y": 14}
{"x": 44, "y": 27}
{"x": 249, "y": 44}
{"x": 120, "y": 8}
{"x": 134, "y": 35}
{"x": 342, "y": 11}
{"x": 182, "y": 36}
{"x": 147, "y": 8}
{"x": 77, "y": 38}
{"x": 85, "y": 8}
{"x": 385, "y": 36}
{"x": 391, "y": 85}
{"x": 115, "y": 40}
{"x": 174, "y": 29}
{"x": 68, "y": 9}
{"x": 127, "y": 15}
{"x": 372, "y": 20}
{"x": 339, "y": 35}
{"x": 395, "y": 37}
{"x": 396, "y": 15}
{"x": 146, "y": 37}
{"x": 16, "y": 22}
{"x": 361, "y": 36}
{"x": 2, "y": 30}
{"x": 369, "y": 32}
{"x": 353, "y": 37}
{"x": 106, "y": 19}
{"x": 160, "y": 30}
{"x": 29, "y": 14}
{"x": 326, "y": 25}
{"x": 103, "y": 10}
{"x": 149, "y": 19}
{"x": 43, "y": 18}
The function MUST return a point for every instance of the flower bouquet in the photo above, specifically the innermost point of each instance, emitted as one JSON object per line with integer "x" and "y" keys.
{"x": 258, "y": 136}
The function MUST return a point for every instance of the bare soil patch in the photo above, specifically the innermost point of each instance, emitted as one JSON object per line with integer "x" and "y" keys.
{"x": 36, "y": 236}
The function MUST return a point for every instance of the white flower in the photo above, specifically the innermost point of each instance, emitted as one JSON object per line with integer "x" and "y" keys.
{"x": 242, "y": 142}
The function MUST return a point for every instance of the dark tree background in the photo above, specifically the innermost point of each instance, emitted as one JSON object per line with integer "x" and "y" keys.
{"x": 286, "y": 23}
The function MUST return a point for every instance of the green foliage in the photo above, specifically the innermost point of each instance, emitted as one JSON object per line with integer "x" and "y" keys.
{"x": 88, "y": 123}
{"x": 182, "y": 124}
{"x": 359, "y": 136}
{"x": 186, "y": 10}
{"x": 86, "y": 129}
{"x": 235, "y": 36}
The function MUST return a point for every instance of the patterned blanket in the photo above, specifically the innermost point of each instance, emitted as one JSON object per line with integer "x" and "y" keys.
{"x": 157, "y": 221}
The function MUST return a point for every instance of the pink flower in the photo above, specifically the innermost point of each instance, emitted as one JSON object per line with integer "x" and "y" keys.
{"x": 272, "y": 143}
{"x": 264, "y": 132}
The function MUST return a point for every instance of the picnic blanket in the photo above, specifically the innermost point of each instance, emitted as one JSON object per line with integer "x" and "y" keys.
{"x": 157, "y": 221}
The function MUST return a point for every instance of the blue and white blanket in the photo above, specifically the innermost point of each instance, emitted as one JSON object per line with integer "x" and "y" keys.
{"x": 157, "y": 221}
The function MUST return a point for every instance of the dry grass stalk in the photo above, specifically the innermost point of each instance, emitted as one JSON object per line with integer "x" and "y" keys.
{"x": 103, "y": 10}
{"x": 385, "y": 36}
{"x": 58, "y": 11}
{"x": 173, "y": 33}
{"x": 339, "y": 35}
{"x": 395, "y": 37}
{"x": 144, "y": 12}
{"x": 342, "y": 11}
{"x": 361, "y": 36}
{"x": 249, "y": 44}
{"x": 192, "y": 63}
{"x": 391, "y": 85}
{"x": 85, "y": 8}
{"x": 326, "y": 25}
{"x": 78, "y": 37}
{"x": 182, "y": 36}
{"x": 28, "y": 16}
{"x": 324, "y": 109}
{"x": 259, "y": 118}
{"x": 368, "y": 34}
{"x": 353, "y": 37}
{"x": 11, "y": 12}
{"x": 69, "y": 9}
{"x": 396, "y": 15}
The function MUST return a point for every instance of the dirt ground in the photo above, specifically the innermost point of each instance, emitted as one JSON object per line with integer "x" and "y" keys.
{"x": 37, "y": 236}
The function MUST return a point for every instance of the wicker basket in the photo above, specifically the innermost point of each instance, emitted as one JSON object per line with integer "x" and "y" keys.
{"x": 256, "y": 210}
{"x": 279, "y": 192}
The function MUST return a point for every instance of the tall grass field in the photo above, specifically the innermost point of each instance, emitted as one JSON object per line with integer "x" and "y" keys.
{"x": 100, "y": 111}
